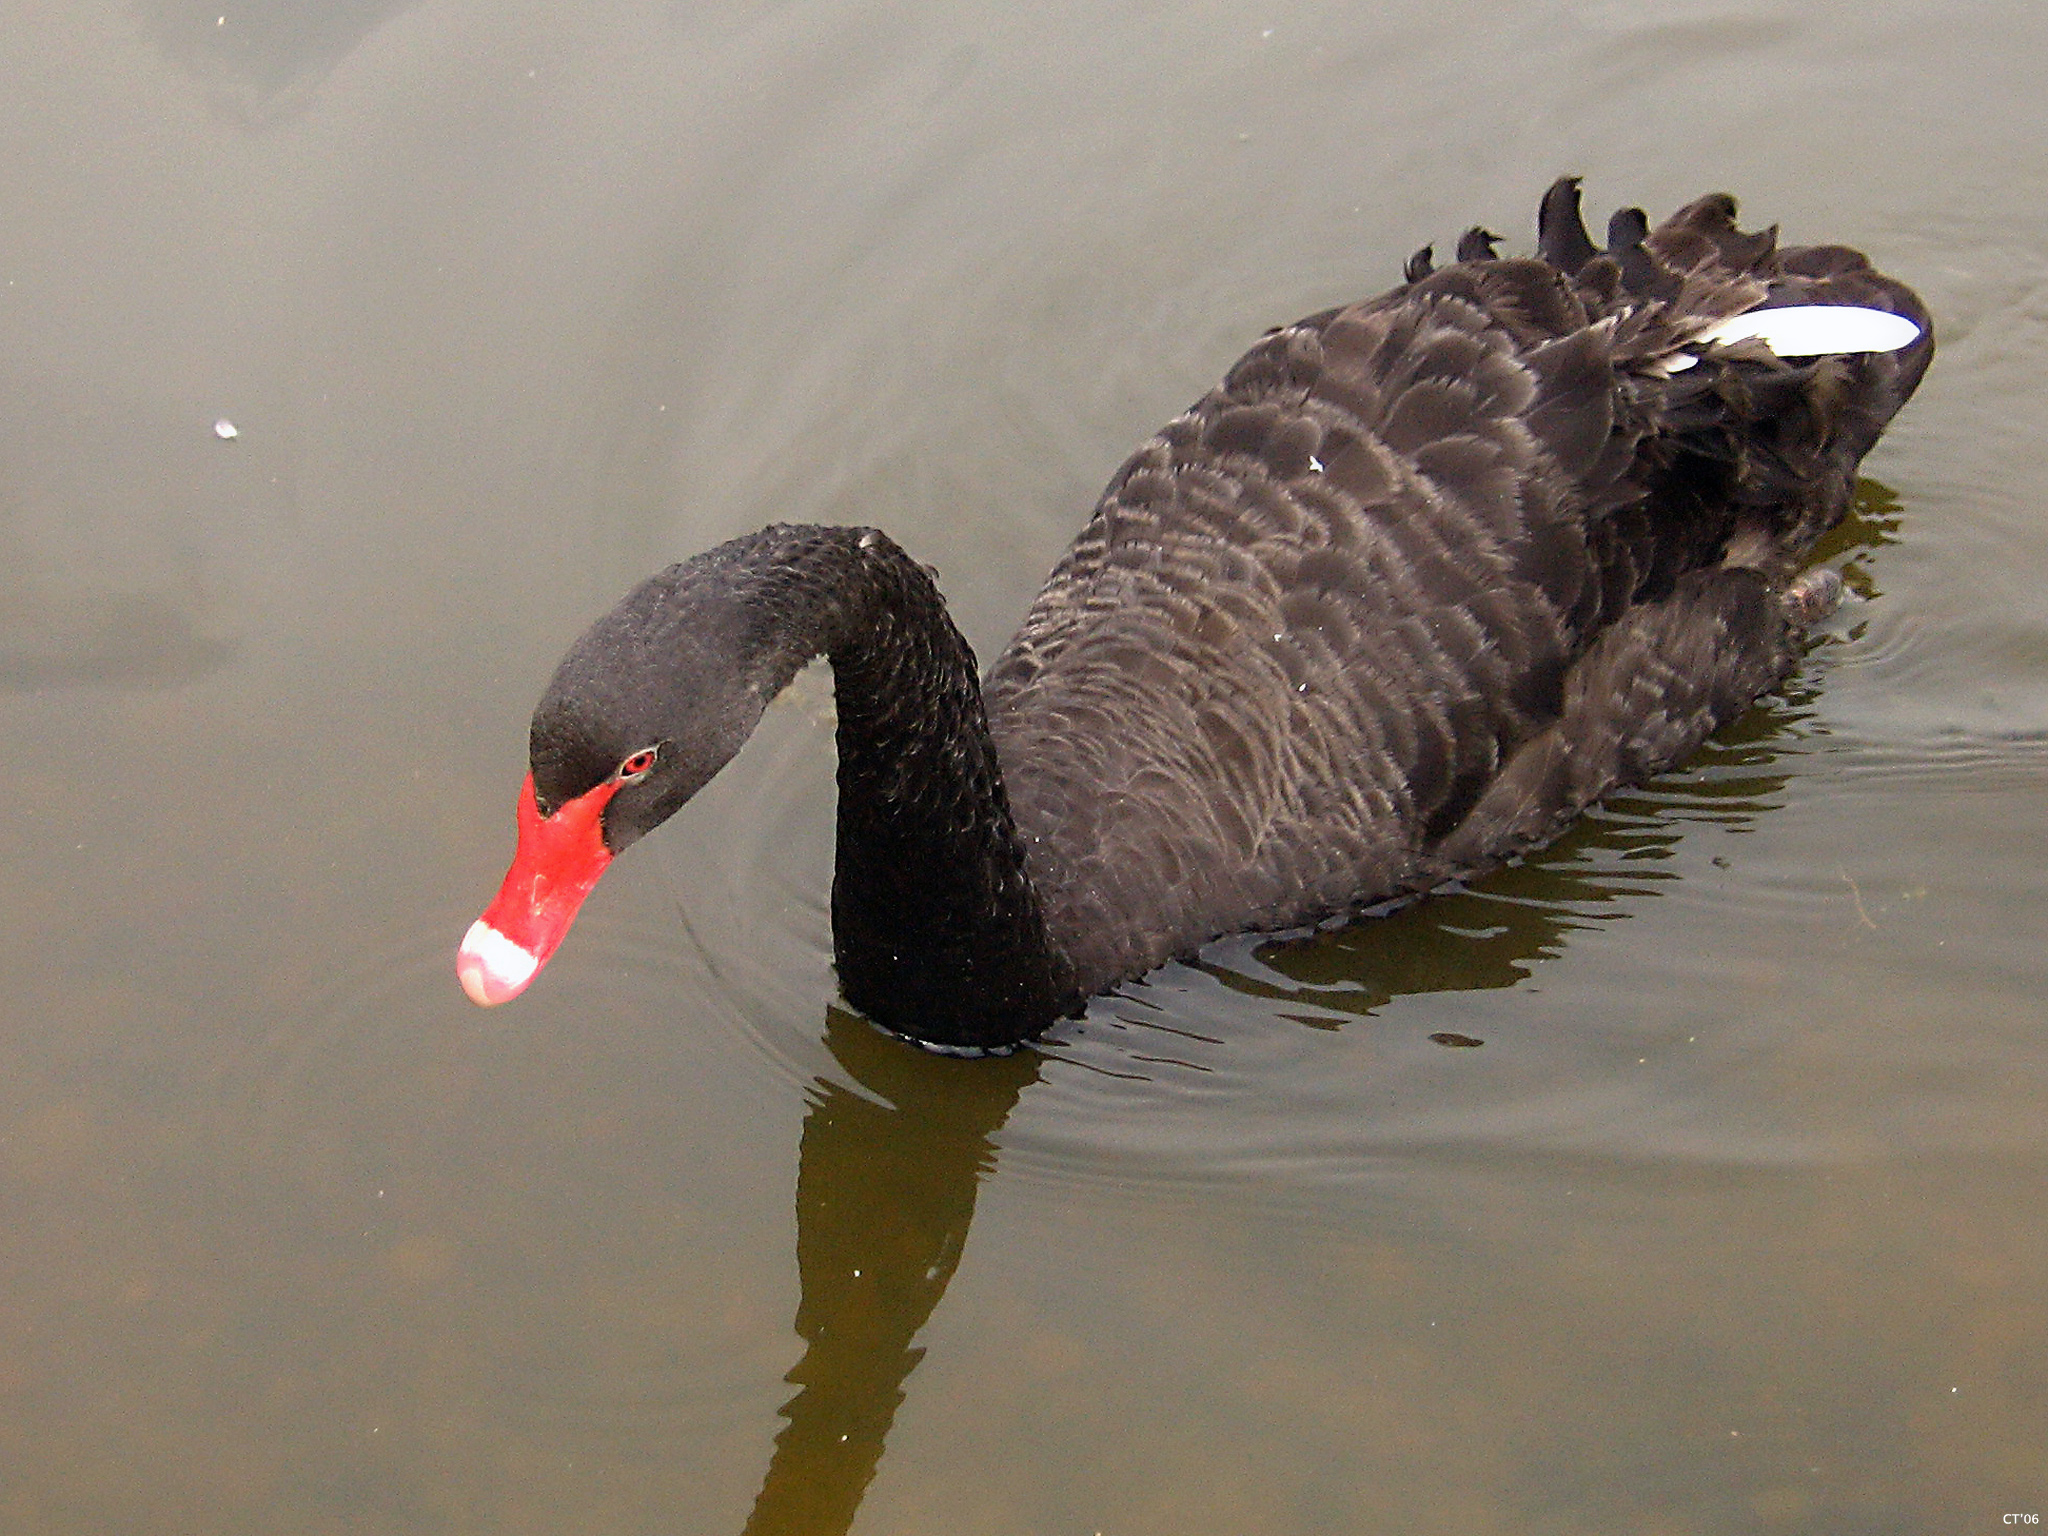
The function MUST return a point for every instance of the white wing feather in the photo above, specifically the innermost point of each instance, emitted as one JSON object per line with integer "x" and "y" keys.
{"x": 1806, "y": 330}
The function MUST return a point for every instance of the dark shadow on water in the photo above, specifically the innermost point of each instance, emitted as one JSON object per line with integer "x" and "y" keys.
{"x": 888, "y": 1175}
{"x": 137, "y": 640}
{"x": 262, "y": 59}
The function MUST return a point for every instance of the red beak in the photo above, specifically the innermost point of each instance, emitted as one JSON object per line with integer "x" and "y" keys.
{"x": 557, "y": 862}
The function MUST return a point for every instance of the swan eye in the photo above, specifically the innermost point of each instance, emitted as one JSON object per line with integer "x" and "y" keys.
{"x": 637, "y": 767}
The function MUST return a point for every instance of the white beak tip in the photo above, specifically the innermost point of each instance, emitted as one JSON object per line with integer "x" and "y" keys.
{"x": 491, "y": 968}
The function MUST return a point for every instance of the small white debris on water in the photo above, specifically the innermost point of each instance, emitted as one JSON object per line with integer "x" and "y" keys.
{"x": 225, "y": 429}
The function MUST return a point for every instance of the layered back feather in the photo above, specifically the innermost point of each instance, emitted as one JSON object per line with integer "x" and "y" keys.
{"x": 1426, "y": 575}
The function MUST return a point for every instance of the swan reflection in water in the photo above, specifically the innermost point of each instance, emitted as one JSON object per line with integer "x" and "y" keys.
{"x": 893, "y": 1159}
{"x": 890, "y": 1169}
{"x": 885, "y": 1191}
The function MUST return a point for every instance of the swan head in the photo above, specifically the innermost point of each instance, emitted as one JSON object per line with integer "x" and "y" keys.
{"x": 644, "y": 709}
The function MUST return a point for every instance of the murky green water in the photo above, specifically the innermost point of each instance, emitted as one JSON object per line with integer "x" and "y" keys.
{"x": 1735, "y": 1221}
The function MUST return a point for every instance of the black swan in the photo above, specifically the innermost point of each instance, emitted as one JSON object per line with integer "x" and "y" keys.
{"x": 1419, "y": 581}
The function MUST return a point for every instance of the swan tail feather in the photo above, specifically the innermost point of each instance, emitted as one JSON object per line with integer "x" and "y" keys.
{"x": 1561, "y": 237}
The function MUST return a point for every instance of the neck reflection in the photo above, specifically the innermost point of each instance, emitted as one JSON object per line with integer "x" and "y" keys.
{"x": 886, "y": 1184}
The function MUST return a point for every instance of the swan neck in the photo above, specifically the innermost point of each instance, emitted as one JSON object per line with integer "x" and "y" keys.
{"x": 937, "y": 931}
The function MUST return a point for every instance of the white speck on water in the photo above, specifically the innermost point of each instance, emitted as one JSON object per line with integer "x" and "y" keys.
{"x": 225, "y": 429}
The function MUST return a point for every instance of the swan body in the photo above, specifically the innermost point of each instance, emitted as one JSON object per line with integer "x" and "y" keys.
{"x": 1421, "y": 579}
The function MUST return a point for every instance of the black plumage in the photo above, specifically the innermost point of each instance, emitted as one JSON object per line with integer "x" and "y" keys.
{"x": 1419, "y": 581}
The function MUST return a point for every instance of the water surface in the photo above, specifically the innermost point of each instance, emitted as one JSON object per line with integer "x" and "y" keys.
{"x": 1732, "y": 1223}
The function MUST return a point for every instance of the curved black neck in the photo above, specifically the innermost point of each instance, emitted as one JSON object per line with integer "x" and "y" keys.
{"x": 936, "y": 930}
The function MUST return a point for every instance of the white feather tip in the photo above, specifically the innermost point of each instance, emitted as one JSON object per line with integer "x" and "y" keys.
{"x": 1806, "y": 330}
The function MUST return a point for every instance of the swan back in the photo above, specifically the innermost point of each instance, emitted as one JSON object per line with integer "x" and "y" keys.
{"x": 1400, "y": 595}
